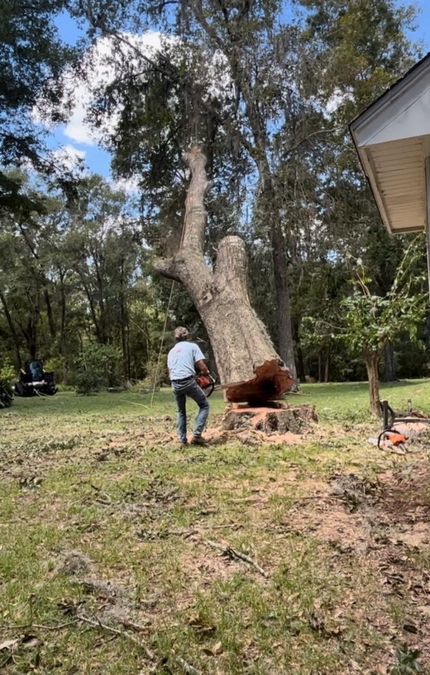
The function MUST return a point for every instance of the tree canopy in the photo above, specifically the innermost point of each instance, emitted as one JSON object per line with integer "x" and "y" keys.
{"x": 268, "y": 89}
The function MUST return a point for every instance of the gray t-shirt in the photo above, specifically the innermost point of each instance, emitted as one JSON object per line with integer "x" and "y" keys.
{"x": 182, "y": 358}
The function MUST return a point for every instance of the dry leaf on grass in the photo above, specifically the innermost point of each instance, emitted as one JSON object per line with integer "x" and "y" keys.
{"x": 216, "y": 650}
{"x": 9, "y": 644}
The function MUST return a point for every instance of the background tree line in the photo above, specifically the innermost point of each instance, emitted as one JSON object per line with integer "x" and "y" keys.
{"x": 268, "y": 88}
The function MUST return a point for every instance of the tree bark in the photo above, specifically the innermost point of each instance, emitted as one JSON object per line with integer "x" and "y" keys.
{"x": 49, "y": 312}
{"x": 327, "y": 367}
{"x": 282, "y": 295}
{"x": 389, "y": 363}
{"x": 62, "y": 275}
{"x": 124, "y": 323}
{"x": 247, "y": 363}
{"x": 12, "y": 329}
{"x": 372, "y": 363}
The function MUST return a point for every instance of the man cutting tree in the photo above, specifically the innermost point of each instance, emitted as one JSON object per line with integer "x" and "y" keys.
{"x": 183, "y": 360}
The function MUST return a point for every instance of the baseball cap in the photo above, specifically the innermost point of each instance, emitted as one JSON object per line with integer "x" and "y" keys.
{"x": 181, "y": 333}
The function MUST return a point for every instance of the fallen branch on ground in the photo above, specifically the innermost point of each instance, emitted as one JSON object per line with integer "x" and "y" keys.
{"x": 96, "y": 623}
{"x": 190, "y": 533}
{"x": 41, "y": 626}
{"x": 236, "y": 555}
{"x": 134, "y": 626}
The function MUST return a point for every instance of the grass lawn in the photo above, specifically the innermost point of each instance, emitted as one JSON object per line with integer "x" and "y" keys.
{"x": 121, "y": 554}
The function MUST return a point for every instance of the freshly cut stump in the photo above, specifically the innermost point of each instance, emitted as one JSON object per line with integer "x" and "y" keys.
{"x": 272, "y": 419}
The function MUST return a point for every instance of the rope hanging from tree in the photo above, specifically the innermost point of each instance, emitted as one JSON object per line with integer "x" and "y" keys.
{"x": 192, "y": 115}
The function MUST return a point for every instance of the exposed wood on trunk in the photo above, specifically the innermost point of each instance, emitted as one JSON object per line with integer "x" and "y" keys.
{"x": 247, "y": 363}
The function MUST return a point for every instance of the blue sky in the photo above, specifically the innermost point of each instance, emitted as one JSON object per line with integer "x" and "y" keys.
{"x": 422, "y": 32}
{"x": 74, "y": 137}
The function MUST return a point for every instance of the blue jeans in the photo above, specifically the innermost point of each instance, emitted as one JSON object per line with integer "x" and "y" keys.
{"x": 190, "y": 388}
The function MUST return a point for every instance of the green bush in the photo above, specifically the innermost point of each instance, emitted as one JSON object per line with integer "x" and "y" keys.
{"x": 88, "y": 382}
{"x": 7, "y": 376}
{"x": 98, "y": 367}
{"x": 56, "y": 365}
{"x": 156, "y": 375}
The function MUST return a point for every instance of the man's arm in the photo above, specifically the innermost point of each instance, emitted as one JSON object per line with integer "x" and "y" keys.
{"x": 202, "y": 367}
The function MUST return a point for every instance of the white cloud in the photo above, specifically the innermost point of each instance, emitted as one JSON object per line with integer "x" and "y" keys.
{"x": 70, "y": 157}
{"x": 77, "y": 129}
{"x": 337, "y": 98}
{"x": 128, "y": 185}
{"x": 102, "y": 65}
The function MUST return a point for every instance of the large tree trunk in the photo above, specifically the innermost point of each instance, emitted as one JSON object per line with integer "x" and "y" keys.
{"x": 372, "y": 362}
{"x": 247, "y": 363}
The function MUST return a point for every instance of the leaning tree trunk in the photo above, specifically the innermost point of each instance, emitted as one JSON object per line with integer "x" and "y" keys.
{"x": 248, "y": 365}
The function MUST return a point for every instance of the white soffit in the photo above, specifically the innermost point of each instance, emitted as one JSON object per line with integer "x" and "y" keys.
{"x": 392, "y": 138}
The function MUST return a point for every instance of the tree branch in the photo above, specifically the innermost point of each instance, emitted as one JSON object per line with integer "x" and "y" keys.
{"x": 195, "y": 215}
{"x": 168, "y": 267}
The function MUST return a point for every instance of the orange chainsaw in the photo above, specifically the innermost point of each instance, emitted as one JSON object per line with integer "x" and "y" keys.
{"x": 206, "y": 382}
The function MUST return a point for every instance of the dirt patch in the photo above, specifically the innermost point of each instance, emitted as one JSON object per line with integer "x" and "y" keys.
{"x": 387, "y": 523}
{"x": 406, "y": 492}
{"x": 417, "y": 536}
{"x": 329, "y": 523}
{"x": 107, "y": 601}
{"x": 354, "y": 491}
{"x": 73, "y": 563}
{"x": 203, "y": 565}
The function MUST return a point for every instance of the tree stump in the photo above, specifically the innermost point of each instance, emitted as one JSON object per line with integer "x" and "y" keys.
{"x": 270, "y": 420}
{"x": 248, "y": 365}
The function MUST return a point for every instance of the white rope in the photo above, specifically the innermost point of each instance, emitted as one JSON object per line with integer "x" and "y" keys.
{"x": 157, "y": 368}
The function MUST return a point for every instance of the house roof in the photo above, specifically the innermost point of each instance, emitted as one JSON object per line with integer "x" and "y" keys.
{"x": 392, "y": 138}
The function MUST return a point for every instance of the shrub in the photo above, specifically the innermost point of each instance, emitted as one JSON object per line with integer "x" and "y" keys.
{"x": 7, "y": 376}
{"x": 98, "y": 367}
{"x": 56, "y": 365}
{"x": 87, "y": 382}
{"x": 156, "y": 375}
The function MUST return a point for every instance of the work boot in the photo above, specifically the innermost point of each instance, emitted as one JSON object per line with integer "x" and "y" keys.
{"x": 183, "y": 444}
{"x": 198, "y": 440}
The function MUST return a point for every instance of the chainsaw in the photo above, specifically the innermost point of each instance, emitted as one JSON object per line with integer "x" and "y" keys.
{"x": 206, "y": 382}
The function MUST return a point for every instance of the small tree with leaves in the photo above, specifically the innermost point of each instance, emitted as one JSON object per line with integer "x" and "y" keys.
{"x": 371, "y": 321}
{"x": 367, "y": 322}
